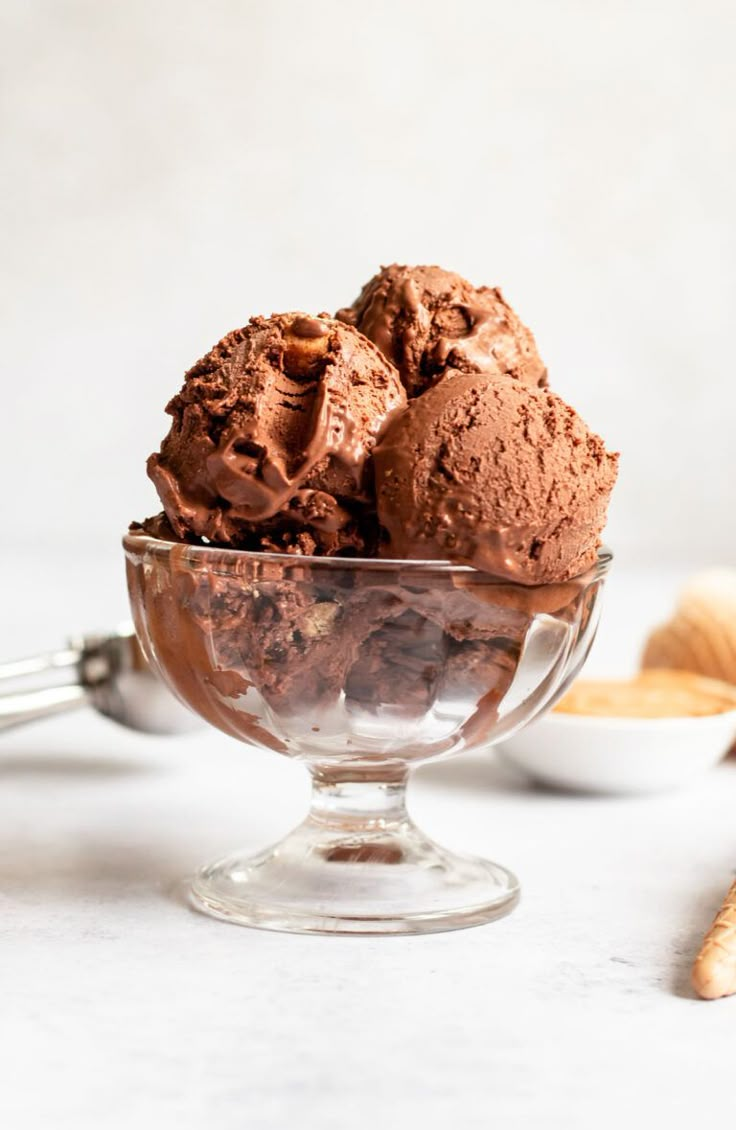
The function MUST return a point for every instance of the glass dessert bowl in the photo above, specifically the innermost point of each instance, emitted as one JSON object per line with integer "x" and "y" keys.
{"x": 361, "y": 669}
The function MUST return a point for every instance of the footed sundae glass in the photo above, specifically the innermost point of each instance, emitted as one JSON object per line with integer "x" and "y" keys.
{"x": 361, "y": 669}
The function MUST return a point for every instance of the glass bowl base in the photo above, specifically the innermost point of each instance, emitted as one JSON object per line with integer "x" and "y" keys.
{"x": 387, "y": 881}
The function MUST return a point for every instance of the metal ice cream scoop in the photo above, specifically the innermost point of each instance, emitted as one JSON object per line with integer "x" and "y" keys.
{"x": 108, "y": 672}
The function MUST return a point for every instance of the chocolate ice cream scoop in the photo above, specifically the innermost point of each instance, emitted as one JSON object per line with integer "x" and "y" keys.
{"x": 427, "y": 320}
{"x": 497, "y": 475}
{"x": 271, "y": 437}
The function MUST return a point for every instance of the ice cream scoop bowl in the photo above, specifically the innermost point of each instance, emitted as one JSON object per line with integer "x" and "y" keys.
{"x": 361, "y": 669}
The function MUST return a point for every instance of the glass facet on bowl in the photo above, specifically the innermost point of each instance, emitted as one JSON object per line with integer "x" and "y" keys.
{"x": 361, "y": 669}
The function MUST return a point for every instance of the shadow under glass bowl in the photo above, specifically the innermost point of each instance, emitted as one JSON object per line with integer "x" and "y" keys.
{"x": 361, "y": 669}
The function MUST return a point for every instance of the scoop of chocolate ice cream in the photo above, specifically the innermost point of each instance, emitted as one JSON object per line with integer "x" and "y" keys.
{"x": 271, "y": 437}
{"x": 494, "y": 474}
{"x": 426, "y": 321}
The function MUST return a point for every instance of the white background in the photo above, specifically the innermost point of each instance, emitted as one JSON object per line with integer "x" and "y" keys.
{"x": 172, "y": 168}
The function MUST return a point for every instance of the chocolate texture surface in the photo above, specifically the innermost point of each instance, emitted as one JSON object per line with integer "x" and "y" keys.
{"x": 427, "y": 320}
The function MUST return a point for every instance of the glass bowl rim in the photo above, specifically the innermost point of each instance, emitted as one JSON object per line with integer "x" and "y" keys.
{"x": 161, "y": 547}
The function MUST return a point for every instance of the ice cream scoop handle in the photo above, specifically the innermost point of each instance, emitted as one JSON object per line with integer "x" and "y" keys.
{"x": 29, "y": 706}
{"x": 39, "y": 686}
{"x": 714, "y": 971}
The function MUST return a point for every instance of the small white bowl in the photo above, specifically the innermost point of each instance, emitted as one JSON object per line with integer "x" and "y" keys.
{"x": 619, "y": 755}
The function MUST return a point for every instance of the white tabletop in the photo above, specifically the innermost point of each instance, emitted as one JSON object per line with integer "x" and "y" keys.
{"x": 120, "y": 1007}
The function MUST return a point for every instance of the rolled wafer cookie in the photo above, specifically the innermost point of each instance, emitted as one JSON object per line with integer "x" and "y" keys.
{"x": 714, "y": 970}
{"x": 701, "y": 635}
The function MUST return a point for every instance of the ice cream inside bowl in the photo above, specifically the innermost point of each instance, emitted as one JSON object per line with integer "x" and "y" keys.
{"x": 360, "y": 669}
{"x": 380, "y": 544}
{"x": 354, "y": 660}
